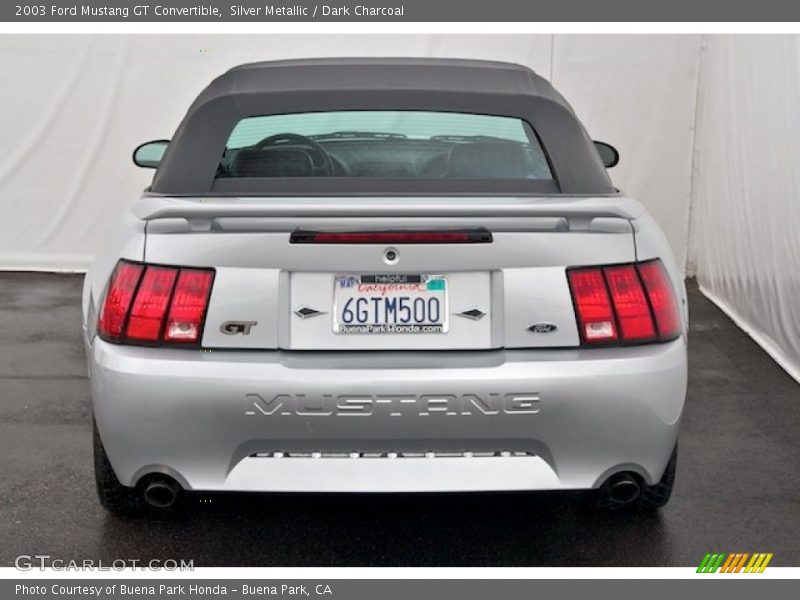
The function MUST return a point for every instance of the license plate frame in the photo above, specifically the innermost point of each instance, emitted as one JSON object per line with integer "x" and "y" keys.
{"x": 392, "y": 284}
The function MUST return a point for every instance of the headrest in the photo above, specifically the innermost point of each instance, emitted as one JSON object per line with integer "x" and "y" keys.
{"x": 489, "y": 160}
{"x": 272, "y": 162}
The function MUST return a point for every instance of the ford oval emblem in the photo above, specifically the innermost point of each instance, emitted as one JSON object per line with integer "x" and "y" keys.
{"x": 543, "y": 328}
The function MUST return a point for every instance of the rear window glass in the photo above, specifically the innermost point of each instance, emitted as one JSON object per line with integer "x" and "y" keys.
{"x": 384, "y": 144}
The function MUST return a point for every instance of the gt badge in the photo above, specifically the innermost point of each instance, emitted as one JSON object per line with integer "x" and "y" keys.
{"x": 234, "y": 327}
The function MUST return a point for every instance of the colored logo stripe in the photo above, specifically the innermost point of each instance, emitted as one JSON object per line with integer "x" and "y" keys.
{"x": 734, "y": 562}
{"x": 711, "y": 563}
{"x": 758, "y": 563}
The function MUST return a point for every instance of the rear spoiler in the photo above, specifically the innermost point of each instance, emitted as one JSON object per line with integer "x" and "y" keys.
{"x": 152, "y": 207}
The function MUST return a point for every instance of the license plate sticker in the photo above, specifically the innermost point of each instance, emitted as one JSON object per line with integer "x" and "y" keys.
{"x": 391, "y": 303}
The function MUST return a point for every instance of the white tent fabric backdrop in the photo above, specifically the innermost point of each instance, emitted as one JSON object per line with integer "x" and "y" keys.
{"x": 74, "y": 107}
{"x": 745, "y": 246}
{"x": 716, "y": 130}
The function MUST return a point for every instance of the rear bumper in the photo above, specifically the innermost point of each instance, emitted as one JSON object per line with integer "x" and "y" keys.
{"x": 388, "y": 421}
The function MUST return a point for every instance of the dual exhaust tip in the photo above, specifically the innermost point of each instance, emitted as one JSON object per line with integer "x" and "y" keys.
{"x": 160, "y": 491}
{"x": 623, "y": 488}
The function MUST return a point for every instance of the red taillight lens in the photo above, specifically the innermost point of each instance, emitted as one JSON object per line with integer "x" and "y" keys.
{"x": 118, "y": 299}
{"x": 595, "y": 316}
{"x": 150, "y": 305}
{"x": 188, "y": 308}
{"x": 154, "y": 304}
{"x": 662, "y": 299}
{"x": 631, "y": 303}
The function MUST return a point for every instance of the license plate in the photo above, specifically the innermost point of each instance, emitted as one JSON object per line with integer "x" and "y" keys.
{"x": 393, "y": 303}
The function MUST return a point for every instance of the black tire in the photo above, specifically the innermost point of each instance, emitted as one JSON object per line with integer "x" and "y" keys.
{"x": 115, "y": 497}
{"x": 651, "y": 497}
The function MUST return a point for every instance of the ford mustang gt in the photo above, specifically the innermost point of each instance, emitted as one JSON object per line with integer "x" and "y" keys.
{"x": 384, "y": 275}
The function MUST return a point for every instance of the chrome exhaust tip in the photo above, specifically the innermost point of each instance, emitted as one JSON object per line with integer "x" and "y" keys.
{"x": 624, "y": 489}
{"x": 161, "y": 492}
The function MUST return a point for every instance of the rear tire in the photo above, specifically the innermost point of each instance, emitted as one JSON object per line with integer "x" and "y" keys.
{"x": 115, "y": 497}
{"x": 651, "y": 497}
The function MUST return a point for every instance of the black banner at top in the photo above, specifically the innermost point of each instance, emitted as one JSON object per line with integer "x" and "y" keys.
{"x": 399, "y": 10}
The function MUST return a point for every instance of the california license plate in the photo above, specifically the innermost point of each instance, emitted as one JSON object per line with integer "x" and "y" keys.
{"x": 392, "y": 303}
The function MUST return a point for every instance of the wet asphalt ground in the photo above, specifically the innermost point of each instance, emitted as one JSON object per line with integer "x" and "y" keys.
{"x": 737, "y": 490}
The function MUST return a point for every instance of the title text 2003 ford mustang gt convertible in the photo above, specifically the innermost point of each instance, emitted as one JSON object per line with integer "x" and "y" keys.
{"x": 377, "y": 275}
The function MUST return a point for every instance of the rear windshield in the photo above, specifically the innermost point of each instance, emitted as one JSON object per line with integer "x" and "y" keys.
{"x": 384, "y": 144}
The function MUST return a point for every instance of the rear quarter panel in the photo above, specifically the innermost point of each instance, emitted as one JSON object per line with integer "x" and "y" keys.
{"x": 652, "y": 243}
{"x": 127, "y": 240}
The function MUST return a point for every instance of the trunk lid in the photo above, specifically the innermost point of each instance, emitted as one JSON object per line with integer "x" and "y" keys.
{"x": 511, "y": 292}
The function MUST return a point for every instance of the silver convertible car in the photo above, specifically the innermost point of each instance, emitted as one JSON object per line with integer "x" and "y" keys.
{"x": 384, "y": 275}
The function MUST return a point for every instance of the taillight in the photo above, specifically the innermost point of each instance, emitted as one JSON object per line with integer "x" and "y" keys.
{"x": 188, "y": 309}
{"x": 150, "y": 304}
{"x": 118, "y": 299}
{"x": 662, "y": 299}
{"x": 595, "y": 315}
{"x": 632, "y": 303}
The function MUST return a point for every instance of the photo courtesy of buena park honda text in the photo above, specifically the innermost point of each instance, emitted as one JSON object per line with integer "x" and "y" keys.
{"x": 399, "y": 299}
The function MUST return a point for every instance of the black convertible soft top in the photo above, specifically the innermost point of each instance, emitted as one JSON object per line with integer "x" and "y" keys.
{"x": 190, "y": 163}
